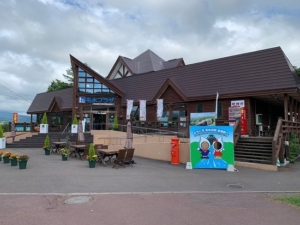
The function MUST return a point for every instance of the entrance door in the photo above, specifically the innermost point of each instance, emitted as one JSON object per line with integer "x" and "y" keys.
{"x": 99, "y": 121}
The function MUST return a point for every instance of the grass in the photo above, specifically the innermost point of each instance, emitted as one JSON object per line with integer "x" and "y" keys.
{"x": 291, "y": 200}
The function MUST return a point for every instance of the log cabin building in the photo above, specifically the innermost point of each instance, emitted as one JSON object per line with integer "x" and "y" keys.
{"x": 264, "y": 80}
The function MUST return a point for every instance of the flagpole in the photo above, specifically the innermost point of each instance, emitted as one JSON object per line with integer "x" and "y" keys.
{"x": 217, "y": 97}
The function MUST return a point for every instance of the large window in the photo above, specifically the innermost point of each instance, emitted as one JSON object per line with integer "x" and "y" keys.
{"x": 90, "y": 85}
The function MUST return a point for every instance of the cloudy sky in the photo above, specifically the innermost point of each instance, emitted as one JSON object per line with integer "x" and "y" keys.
{"x": 37, "y": 36}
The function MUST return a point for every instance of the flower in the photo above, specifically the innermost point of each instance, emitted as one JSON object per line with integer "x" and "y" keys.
{"x": 23, "y": 158}
{"x": 1, "y": 152}
{"x": 92, "y": 158}
{"x": 65, "y": 152}
{"x": 14, "y": 156}
{"x": 6, "y": 154}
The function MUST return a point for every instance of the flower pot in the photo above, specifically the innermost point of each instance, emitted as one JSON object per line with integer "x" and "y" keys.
{"x": 92, "y": 164}
{"x": 64, "y": 158}
{"x": 47, "y": 151}
{"x": 22, "y": 165}
{"x": 6, "y": 160}
{"x": 13, "y": 162}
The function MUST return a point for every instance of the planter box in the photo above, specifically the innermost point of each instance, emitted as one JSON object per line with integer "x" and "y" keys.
{"x": 74, "y": 128}
{"x": 44, "y": 128}
{"x": 2, "y": 142}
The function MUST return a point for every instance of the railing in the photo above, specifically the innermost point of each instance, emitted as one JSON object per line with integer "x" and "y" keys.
{"x": 65, "y": 131}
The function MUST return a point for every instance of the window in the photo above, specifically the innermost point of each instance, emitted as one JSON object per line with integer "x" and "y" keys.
{"x": 219, "y": 110}
{"x": 200, "y": 108}
{"x": 88, "y": 84}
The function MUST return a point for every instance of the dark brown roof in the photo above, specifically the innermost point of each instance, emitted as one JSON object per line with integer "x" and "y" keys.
{"x": 254, "y": 72}
{"x": 146, "y": 62}
{"x": 43, "y": 101}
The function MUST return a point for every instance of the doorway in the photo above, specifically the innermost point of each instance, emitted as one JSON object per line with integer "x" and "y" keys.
{"x": 99, "y": 121}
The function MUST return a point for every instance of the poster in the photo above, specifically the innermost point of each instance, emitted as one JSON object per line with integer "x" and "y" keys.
{"x": 203, "y": 119}
{"x": 211, "y": 147}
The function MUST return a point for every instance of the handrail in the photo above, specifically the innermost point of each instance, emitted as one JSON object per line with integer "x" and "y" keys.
{"x": 65, "y": 129}
{"x": 237, "y": 131}
{"x": 277, "y": 148}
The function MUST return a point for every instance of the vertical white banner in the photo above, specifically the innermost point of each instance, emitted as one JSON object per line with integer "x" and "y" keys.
{"x": 129, "y": 108}
{"x": 217, "y": 97}
{"x": 142, "y": 110}
{"x": 160, "y": 108}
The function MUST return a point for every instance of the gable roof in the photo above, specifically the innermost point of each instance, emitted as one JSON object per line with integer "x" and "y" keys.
{"x": 146, "y": 62}
{"x": 43, "y": 102}
{"x": 240, "y": 75}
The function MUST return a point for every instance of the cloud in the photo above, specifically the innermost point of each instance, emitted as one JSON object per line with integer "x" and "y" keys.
{"x": 36, "y": 37}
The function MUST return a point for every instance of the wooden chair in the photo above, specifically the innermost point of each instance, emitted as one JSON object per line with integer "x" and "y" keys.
{"x": 120, "y": 159}
{"x": 129, "y": 156}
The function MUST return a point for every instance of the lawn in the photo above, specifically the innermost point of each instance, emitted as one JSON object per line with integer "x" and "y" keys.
{"x": 291, "y": 200}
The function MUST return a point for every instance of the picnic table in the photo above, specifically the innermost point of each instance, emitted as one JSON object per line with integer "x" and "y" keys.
{"x": 109, "y": 153}
{"x": 78, "y": 149}
{"x": 58, "y": 145}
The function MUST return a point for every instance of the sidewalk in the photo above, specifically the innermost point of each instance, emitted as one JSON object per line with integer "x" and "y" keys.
{"x": 151, "y": 192}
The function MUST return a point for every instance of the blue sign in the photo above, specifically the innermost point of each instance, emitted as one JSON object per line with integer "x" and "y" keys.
{"x": 83, "y": 99}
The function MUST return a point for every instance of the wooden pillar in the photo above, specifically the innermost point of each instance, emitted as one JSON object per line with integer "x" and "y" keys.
{"x": 285, "y": 107}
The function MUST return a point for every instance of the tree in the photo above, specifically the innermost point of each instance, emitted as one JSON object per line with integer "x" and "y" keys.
{"x": 58, "y": 85}
{"x": 297, "y": 70}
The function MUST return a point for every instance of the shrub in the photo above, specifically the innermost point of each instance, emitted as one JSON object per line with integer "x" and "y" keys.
{"x": 44, "y": 119}
{"x": 294, "y": 147}
{"x": 115, "y": 125}
{"x": 92, "y": 156}
{"x": 1, "y": 131}
{"x": 75, "y": 121}
{"x": 47, "y": 142}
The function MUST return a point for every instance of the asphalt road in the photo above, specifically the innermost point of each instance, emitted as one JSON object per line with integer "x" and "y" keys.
{"x": 151, "y": 192}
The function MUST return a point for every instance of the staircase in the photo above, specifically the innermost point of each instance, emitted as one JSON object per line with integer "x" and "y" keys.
{"x": 37, "y": 141}
{"x": 254, "y": 150}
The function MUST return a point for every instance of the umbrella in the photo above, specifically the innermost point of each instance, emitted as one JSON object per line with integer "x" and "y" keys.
{"x": 129, "y": 136}
{"x": 13, "y": 131}
{"x": 80, "y": 132}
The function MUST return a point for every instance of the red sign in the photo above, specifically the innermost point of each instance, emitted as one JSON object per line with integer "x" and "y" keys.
{"x": 243, "y": 121}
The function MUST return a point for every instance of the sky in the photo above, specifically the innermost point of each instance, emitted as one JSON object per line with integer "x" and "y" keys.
{"x": 38, "y": 36}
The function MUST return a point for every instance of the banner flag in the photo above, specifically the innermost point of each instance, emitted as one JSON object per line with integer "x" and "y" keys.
{"x": 160, "y": 108}
{"x": 142, "y": 110}
{"x": 129, "y": 108}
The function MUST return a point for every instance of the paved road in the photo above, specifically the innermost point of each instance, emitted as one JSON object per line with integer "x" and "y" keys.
{"x": 152, "y": 192}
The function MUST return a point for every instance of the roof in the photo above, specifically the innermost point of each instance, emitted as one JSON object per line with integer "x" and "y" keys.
{"x": 42, "y": 101}
{"x": 259, "y": 71}
{"x": 146, "y": 62}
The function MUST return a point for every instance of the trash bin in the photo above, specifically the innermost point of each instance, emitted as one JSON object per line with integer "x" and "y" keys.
{"x": 174, "y": 151}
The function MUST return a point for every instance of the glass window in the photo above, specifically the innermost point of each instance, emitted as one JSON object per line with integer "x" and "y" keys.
{"x": 96, "y": 91}
{"x": 89, "y": 90}
{"x": 79, "y": 69}
{"x": 165, "y": 118}
{"x": 81, "y": 85}
{"x": 97, "y": 85}
{"x": 81, "y": 90}
{"x": 220, "y": 110}
{"x": 90, "y": 80}
{"x": 180, "y": 105}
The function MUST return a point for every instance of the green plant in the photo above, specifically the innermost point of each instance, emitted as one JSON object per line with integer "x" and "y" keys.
{"x": 75, "y": 120}
{"x": 292, "y": 200}
{"x": 22, "y": 158}
{"x": 44, "y": 119}
{"x": 294, "y": 147}
{"x": 115, "y": 125}
{"x": 92, "y": 156}
{"x": 1, "y": 131}
{"x": 47, "y": 143}
{"x": 65, "y": 152}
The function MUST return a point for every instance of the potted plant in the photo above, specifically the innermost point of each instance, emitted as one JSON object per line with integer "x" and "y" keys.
{"x": 2, "y": 138}
{"x": 47, "y": 145}
{"x": 74, "y": 128}
{"x": 1, "y": 153}
{"x": 6, "y": 156}
{"x": 22, "y": 159}
{"x": 92, "y": 157}
{"x": 65, "y": 154}
{"x": 14, "y": 159}
{"x": 44, "y": 124}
